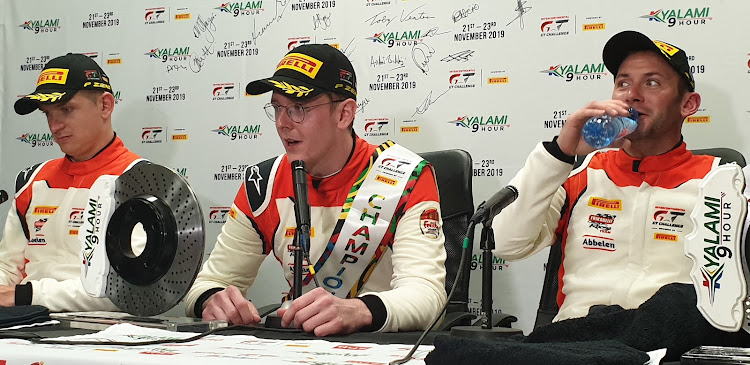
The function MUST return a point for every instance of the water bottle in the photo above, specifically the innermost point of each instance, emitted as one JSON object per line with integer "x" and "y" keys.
{"x": 600, "y": 132}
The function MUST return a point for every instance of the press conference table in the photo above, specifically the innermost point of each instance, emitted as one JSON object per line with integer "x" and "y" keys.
{"x": 259, "y": 345}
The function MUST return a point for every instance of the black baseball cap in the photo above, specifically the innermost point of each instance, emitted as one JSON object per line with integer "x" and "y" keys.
{"x": 309, "y": 70}
{"x": 622, "y": 44}
{"x": 61, "y": 78}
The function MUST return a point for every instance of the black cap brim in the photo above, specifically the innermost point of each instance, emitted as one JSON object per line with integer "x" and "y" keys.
{"x": 621, "y": 45}
{"x": 29, "y": 103}
{"x": 288, "y": 86}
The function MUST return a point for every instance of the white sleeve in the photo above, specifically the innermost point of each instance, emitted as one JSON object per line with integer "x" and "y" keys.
{"x": 418, "y": 283}
{"x": 234, "y": 260}
{"x": 528, "y": 225}
{"x": 12, "y": 248}
{"x": 67, "y": 296}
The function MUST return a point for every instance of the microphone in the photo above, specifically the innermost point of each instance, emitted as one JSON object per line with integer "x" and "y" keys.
{"x": 3, "y": 196}
{"x": 301, "y": 202}
{"x": 495, "y": 204}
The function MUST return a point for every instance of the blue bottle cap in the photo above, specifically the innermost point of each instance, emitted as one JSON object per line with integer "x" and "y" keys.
{"x": 633, "y": 114}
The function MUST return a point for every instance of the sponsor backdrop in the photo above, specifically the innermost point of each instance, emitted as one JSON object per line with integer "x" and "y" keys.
{"x": 493, "y": 77}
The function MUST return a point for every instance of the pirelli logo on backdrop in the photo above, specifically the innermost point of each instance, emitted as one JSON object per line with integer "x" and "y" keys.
{"x": 53, "y": 76}
{"x": 44, "y": 210}
{"x": 386, "y": 180}
{"x": 605, "y": 203}
{"x": 596, "y": 26}
{"x": 698, "y": 119}
{"x": 497, "y": 80}
{"x": 410, "y": 129}
{"x": 301, "y": 63}
{"x": 665, "y": 237}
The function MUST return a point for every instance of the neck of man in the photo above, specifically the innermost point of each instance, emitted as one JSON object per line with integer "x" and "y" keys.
{"x": 100, "y": 144}
{"x": 647, "y": 147}
{"x": 336, "y": 158}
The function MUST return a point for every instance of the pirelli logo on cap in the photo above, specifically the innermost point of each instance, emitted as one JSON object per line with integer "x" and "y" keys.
{"x": 53, "y": 76}
{"x": 666, "y": 48}
{"x": 301, "y": 63}
{"x": 605, "y": 203}
{"x": 665, "y": 237}
{"x": 386, "y": 180}
{"x": 44, "y": 210}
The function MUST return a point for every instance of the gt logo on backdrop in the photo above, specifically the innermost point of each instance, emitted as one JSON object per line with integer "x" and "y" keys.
{"x": 155, "y": 16}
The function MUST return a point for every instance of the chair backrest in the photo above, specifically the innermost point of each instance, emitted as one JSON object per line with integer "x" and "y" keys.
{"x": 453, "y": 171}
{"x": 548, "y": 301}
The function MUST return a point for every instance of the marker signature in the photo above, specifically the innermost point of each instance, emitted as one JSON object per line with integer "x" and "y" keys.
{"x": 521, "y": 9}
{"x": 379, "y": 18}
{"x": 422, "y": 108}
{"x": 205, "y": 28}
{"x": 279, "y": 14}
{"x": 462, "y": 56}
{"x": 421, "y": 54}
{"x": 412, "y": 16}
{"x": 465, "y": 12}
{"x": 321, "y": 21}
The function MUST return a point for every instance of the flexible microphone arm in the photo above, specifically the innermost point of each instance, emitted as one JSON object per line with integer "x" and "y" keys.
{"x": 492, "y": 206}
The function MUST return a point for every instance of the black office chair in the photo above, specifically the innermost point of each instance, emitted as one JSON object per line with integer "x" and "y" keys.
{"x": 453, "y": 171}
{"x": 548, "y": 301}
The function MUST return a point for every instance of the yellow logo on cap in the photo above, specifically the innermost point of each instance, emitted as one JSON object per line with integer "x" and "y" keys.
{"x": 46, "y": 98}
{"x": 291, "y": 89}
{"x": 667, "y": 48}
{"x": 53, "y": 76}
{"x": 301, "y": 63}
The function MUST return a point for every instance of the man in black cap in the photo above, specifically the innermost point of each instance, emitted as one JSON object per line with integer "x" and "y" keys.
{"x": 621, "y": 217}
{"x": 376, "y": 256}
{"x": 40, "y": 255}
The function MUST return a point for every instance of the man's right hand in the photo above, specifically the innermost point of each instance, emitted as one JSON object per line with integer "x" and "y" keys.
{"x": 230, "y": 305}
{"x": 570, "y": 141}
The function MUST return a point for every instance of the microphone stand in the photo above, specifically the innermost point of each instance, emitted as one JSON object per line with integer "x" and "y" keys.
{"x": 486, "y": 331}
{"x": 301, "y": 238}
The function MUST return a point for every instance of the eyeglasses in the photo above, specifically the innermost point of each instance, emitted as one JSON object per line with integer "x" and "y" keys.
{"x": 296, "y": 111}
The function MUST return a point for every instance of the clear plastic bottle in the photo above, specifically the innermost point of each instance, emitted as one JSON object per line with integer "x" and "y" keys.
{"x": 600, "y": 132}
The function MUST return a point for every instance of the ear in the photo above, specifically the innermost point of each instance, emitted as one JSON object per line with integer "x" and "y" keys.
{"x": 107, "y": 104}
{"x": 690, "y": 103}
{"x": 348, "y": 109}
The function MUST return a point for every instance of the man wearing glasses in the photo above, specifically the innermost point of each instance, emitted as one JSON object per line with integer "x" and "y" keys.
{"x": 376, "y": 244}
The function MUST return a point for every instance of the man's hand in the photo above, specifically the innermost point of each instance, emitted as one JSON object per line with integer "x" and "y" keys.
{"x": 230, "y": 305}
{"x": 570, "y": 141}
{"x": 7, "y": 295}
{"x": 324, "y": 314}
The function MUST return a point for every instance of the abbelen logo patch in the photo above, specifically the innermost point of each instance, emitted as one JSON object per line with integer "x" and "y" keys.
{"x": 599, "y": 243}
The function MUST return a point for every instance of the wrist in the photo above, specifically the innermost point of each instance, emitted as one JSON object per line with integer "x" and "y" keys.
{"x": 376, "y": 313}
{"x": 23, "y": 294}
